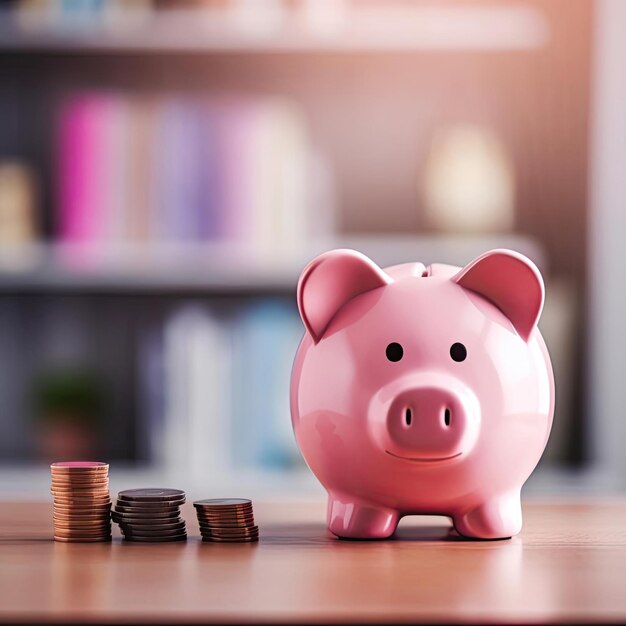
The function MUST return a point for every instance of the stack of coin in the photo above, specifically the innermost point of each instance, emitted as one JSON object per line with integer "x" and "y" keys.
{"x": 227, "y": 520}
{"x": 150, "y": 515}
{"x": 81, "y": 501}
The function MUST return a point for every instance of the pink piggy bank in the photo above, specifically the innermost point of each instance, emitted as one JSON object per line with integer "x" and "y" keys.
{"x": 422, "y": 390}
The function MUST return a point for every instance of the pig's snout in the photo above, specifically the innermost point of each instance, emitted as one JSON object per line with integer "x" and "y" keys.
{"x": 430, "y": 422}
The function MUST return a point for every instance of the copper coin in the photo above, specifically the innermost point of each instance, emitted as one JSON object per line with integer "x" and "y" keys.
{"x": 78, "y": 465}
{"x": 60, "y": 484}
{"x": 231, "y": 538}
{"x": 222, "y": 502}
{"x": 82, "y": 490}
{"x": 83, "y": 515}
{"x": 231, "y": 531}
{"x": 227, "y": 522}
{"x": 103, "y": 495}
{"x": 69, "y": 477}
{"x": 224, "y": 510}
{"x": 208, "y": 533}
{"x": 181, "y": 537}
{"x": 83, "y": 534}
{"x": 84, "y": 498}
{"x": 151, "y": 495}
{"x": 224, "y": 514}
{"x": 83, "y": 539}
{"x": 69, "y": 506}
{"x": 234, "y": 515}
{"x": 86, "y": 520}
{"x": 81, "y": 521}
{"x": 238, "y": 516}
{"x": 222, "y": 540}
{"x": 77, "y": 513}
{"x": 88, "y": 509}
{"x": 79, "y": 481}
{"x": 86, "y": 512}
{"x": 60, "y": 529}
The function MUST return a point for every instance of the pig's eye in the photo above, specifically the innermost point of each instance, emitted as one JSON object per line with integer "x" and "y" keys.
{"x": 458, "y": 352}
{"x": 394, "y": 352}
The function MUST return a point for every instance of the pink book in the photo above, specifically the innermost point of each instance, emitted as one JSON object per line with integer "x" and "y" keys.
{"x": 81, "y": 162}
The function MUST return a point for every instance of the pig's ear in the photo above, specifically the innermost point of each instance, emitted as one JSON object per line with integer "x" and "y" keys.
{"x": 511, "y": 282}
{"x": 330, "y": 281}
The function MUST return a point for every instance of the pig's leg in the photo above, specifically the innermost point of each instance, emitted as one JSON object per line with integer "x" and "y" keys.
{"x": 497, "y": 518}
{"x": 352, "y": 519}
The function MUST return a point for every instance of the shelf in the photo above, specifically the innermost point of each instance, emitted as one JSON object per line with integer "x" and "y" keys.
{"x": 219, "y": 268}
{"x": 329, "y": 27}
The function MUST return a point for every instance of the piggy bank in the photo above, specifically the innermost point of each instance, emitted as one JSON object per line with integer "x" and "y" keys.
{"x": 422, "y": 390}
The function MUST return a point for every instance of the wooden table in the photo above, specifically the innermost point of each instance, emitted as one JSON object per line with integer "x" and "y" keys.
{"x": 569, "y": 564}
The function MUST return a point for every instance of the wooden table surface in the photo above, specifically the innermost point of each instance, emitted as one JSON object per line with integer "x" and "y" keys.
{"x": 569, "y": 564}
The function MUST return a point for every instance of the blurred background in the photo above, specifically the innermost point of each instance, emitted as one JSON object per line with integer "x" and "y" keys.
{"x": 167, "y": 169}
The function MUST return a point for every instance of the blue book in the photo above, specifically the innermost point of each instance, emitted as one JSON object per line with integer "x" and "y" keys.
{"x": 266, "y": 337}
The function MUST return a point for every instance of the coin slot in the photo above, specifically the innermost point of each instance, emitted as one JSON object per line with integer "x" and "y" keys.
{"x": 408, "y": 416}
{"x": 446, "y": 417}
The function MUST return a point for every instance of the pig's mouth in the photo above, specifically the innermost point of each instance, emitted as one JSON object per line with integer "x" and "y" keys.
{"x": 422, "y": 460}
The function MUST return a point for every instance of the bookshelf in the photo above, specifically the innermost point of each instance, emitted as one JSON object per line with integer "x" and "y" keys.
{"x": 333, "y": 28}
{"x": 370, "y": 81}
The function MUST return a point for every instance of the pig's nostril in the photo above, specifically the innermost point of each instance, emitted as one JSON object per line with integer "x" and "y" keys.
{"x": 446, "y": 417}
{"x": 408, "y": 417}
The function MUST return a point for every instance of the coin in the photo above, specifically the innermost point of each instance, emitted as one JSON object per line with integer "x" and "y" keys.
{"x": 152, "y": 527}
{"x": 134, "y": 519}
{"x": 247, "y": 510}
{"x": 227, "y": 532}
{"x": 87, "y": 490}
{"x": 65, "y": 517}
{"x": 231, "y": 537}
{"x": 128, "y": 508}
{"x": 230, "y": 531}
{"x": 224, "y": 513}
{"x": 226, "y": 523}
{"x": 78, "y": 519}
{"x": 79, "y": 466}
{"x": 148, "y": 524}
{"x": 181, "y": 537}
{"x": 157, "y": 517}
{"x": 223, "y": 540}
{"x": 152, "y": 495}
{"x": 229, "y": 518}
{"x": 224, "y": 526}
{"x": 94, "y": 484}
{"x": 70, "y": 526}
{"x": 149, "y": 507}
{"x": 82, "y": 539}
{"x": 83, "y": 508}
{"x": 223, "y": 502}
{"x": 83, "y": 504}
{"x": 69, "y": 479}
{"x": 86, "y": 534}
{"x": 66, "y": 529}
{"x": 147, "y": 535}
